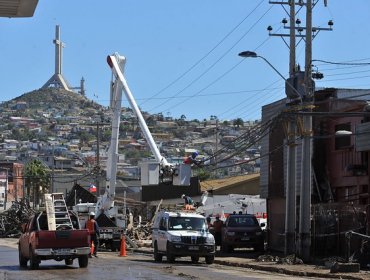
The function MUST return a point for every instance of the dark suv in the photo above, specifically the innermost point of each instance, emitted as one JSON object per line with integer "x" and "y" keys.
{"x": 242, "y": 231}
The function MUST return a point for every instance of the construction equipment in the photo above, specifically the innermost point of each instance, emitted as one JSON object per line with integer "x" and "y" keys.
{"x": 109, "y": 220}
{"x": 151, "y": 172}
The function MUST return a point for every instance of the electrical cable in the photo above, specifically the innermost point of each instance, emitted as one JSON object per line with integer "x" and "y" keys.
{"x": 204, "y": 57}
{"x": 212, "y": 65}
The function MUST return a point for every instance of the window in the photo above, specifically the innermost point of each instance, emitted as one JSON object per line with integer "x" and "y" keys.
{"x": 242, "y": 222}
{"x": 186, "y": 223}
{"x": 343, "y": 141}
{"x": 162, "y": 224}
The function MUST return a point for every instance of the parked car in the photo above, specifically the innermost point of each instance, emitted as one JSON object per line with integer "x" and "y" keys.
{"x": 178, "y": 234}
{"x": 37, "y": 243}
{"x": 242, "y": 231}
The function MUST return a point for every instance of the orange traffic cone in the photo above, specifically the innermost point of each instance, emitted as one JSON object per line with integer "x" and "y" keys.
{"x": 122, "y": 252}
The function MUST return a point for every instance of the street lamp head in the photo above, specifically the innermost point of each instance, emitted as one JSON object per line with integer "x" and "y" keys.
{"x": 248, "y": 54}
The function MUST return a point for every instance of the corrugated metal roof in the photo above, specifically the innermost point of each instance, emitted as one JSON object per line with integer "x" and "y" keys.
{"x": 226, "y": 182}
{"x": 17, "y": 8}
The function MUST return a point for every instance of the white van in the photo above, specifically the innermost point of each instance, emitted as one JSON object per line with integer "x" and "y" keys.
{"x": 180, "y": 234}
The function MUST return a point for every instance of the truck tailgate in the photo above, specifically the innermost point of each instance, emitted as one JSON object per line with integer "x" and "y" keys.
{"x": 62, "y": 238}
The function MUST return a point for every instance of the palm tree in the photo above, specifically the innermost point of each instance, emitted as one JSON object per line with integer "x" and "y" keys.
{"x": 37, "y": 180}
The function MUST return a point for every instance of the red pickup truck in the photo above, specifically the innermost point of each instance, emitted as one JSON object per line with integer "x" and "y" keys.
{"x": 37, "y": 243}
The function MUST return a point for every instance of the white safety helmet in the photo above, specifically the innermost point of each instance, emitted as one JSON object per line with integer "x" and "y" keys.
{"x": 183, "y": 196}
{"x": 92, "y": 214}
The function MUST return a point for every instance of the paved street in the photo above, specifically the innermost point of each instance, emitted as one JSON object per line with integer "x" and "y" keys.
{"x": 135, "y": 266}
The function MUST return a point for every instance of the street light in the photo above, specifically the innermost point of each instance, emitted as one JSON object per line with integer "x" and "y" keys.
{"x": 247, "y": 54}
{"x": 290, "y": 203}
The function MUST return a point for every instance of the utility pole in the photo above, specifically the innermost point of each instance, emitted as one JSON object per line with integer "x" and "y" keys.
{"x": 52, "y": 170}
{"x": 290, "y": 202}
{"x": 306, "y": 95}
{"x": 97, "y": 175}
{"x": 306, "y": 180}
{"x": 290, "y": 182}
{"x": 216, "y": 147}
{"x": 97, "y": 155}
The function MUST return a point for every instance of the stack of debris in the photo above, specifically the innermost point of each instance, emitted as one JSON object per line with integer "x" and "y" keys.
{"x": 12, "y": 219}
{"x": 141, "y": 234}
{"x": 291, "y": 259}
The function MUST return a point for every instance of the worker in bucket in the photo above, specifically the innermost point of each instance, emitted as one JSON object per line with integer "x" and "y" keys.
{"x": 93, "y": 228}
{"x": 189, "y": 203}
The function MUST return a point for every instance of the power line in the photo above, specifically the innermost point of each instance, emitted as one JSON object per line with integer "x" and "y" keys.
{"x": 215, "y": 63}
{"x": 205, "y": 56}
{"x": 341, "y": 63}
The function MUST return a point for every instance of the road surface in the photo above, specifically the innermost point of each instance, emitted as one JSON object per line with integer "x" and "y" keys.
{"x": 135, "y": 266}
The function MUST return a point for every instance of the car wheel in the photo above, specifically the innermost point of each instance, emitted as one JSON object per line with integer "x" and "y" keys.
{"x": 34, "y": 261}
{"x": 170, "y": 257}
{"x": 22, "y": 260}
{"x": 194, "y": 259}
{"x": 68, "y": 261}
{"x": 210, "y": 259}
{"x": 83, "y": 261}
{"x": 157, "y": 256}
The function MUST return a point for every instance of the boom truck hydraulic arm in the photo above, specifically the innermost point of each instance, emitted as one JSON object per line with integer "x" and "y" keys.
{"x": 119, "y": 84}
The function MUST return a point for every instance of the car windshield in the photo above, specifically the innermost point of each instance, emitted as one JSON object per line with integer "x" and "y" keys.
{"x": 186, "y": 223}
{"x": 242, "y": 222}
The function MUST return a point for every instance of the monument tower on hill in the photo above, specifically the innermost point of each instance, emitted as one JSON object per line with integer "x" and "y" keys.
{"x": 57, "y": 80}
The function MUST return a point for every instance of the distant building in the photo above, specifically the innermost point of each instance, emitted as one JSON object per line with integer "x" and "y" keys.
{"x": 11, "y": 181}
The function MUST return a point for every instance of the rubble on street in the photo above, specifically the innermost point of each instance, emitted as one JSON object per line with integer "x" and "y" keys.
{"x": 12, "y": 219}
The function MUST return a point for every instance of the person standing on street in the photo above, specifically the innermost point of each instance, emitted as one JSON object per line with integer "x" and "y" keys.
{"x": 93, "y": 228}
{"x": 217, "y": 228}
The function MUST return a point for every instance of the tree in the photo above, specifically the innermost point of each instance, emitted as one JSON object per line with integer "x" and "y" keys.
{"x": 238, "y": 122}
{"x": 37, "y": 180}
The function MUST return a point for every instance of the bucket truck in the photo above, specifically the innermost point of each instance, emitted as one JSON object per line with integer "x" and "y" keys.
{"x": 111, "y": 223}
{"x": 151, "y": 172}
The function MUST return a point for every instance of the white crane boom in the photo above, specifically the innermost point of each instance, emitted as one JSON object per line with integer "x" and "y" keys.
{"x": 113, "y": 61}
{"x": 181, "y": 172}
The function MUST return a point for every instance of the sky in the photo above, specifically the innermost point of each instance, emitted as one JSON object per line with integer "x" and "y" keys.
{"x": 182, "y": 56}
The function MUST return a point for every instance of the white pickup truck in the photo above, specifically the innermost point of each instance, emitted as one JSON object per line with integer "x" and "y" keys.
{"x": 180, "y": 234}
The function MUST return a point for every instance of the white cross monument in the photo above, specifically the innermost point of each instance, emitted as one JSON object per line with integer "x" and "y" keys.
{"x": 57, "y": 80}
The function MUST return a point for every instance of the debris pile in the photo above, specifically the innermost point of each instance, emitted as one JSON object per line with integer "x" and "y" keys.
{"x": 141, "y": 234}
{"x": 291, "y": 259}
{"x": 12, "y": 219}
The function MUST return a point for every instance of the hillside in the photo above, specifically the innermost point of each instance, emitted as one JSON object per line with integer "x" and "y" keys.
{"x": 42, "y": 99}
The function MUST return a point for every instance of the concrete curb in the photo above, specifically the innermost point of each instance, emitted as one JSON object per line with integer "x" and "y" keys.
{"x": 275, "y": 269}
{"x": 287, "y": 271}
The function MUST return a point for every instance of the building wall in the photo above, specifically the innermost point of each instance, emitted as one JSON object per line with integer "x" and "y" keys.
{"x": 268, "y": 112}
{"x": 15, "y": 180}
{"x": 346, "y": 169}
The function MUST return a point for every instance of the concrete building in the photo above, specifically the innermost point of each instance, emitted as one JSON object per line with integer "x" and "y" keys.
{"x": 340, "y": 166}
